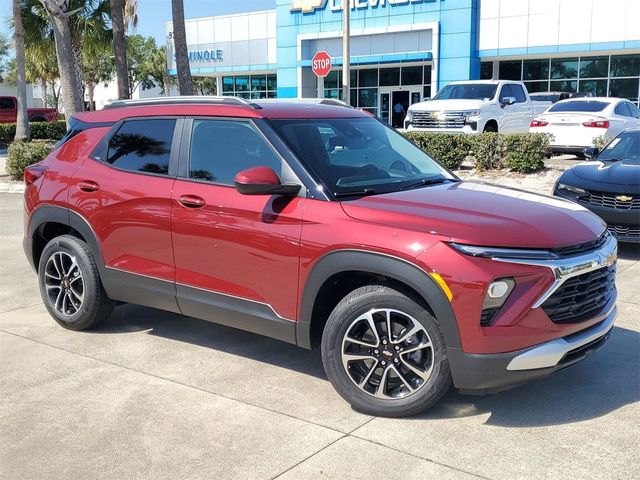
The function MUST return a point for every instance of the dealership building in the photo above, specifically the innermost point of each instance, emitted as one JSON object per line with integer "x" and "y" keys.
{"x": 406, "y": 50}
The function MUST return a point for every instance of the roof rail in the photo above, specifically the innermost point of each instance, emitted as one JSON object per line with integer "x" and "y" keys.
{"x": 177, "y": 100}
{"x": 312, "y": 100}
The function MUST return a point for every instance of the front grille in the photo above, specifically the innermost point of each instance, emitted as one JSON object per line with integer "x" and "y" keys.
{"x": 437, "y": 120}
{"x": 582, "y": 247}
{"x": 624, "y": 231}
{"x": 581, "y": 298}
{"x": 618, "y": 201}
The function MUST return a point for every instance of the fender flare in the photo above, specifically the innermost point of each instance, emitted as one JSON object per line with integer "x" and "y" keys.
{"x": 51, "y": 213}
{"x": 379, "y": 264}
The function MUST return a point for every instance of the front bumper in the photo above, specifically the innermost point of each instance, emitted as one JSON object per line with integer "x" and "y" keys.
{"x": 466, "y": 130}
{"x": 482, "y": 373}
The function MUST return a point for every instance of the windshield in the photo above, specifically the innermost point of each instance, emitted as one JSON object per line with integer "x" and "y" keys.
{"x": 625, "y": 146}
{"x": 359, "y": 155}
{"x": 579, "y": 106}
{"x": 467, "y": 91}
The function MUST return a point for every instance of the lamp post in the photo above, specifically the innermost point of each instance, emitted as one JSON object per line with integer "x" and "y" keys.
{"x": 346, "y": 49}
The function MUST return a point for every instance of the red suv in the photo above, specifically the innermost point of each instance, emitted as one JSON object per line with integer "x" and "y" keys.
{"x": 320, "y": 226}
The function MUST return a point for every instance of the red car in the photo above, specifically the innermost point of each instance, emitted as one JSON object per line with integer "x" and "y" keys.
{"x": 320, "y": 226}
{"x": 9, "y": 112}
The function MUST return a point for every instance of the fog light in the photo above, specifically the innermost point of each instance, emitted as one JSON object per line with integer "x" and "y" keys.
{"x": 497, "y": 293}
{"x": 498, "y": 289}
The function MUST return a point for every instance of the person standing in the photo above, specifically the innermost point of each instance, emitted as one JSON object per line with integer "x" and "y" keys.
{"x": 398, "y": 114}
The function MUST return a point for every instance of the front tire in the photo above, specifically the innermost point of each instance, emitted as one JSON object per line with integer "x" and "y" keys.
{"x": 384, "y": 353}
{"x": 70, "y": 284}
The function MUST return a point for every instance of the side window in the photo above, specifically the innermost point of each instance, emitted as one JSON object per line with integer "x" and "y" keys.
{"x": 621, "y": 109}
{"x": 633, "y": 110}
{"x": 516, "y": 91}
{"x": 222, "y": 148}
{"x": 505, "y": 91}
{"x": 6, "y": 103}
{"x": 142, "y": 146}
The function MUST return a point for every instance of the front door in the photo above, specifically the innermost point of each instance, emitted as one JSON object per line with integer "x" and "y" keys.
{"x": 233, "y": 252}
{"x": 400, "y": 102}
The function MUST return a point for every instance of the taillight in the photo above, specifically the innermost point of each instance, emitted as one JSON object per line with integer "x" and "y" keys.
{"x": 596, "y": 124}
{"x": 538, "y": 123}
{"x": 32, "y": 173}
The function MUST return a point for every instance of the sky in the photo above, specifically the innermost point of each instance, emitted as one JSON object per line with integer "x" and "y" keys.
{"x": 152, "y": 14}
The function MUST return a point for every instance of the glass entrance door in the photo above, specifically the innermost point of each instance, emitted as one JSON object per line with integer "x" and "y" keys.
{"x": 384, "y": 107}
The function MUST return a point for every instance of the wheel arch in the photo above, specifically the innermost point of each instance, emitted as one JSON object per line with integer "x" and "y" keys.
{"x": 393, "y": 271}
{"x": 48, "y": 215}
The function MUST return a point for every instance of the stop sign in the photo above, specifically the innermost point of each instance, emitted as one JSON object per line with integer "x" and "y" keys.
{"x": 321, "y": 64}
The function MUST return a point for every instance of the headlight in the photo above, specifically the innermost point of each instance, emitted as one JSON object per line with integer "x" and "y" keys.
{"x": 409, "y": 115}
{"x": 471, "y": 113}
{"x": 571, "y": 188}
{"x": 493, "y": 252}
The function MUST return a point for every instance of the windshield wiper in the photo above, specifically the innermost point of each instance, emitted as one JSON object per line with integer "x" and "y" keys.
{"x": 355, "y": 193}
{"x": 428, "y": 181}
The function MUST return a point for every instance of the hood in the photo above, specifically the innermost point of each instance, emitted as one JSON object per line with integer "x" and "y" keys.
{"x": 622, "y": 172}
{"x": 446, "y": 105}
{"x": 479, "y": 213}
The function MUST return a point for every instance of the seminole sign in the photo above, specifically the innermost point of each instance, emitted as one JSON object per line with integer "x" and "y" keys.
{"x": 310, "y": 6}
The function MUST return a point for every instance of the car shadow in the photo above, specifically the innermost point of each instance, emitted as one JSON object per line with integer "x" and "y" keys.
{"x": 629, "y": 251}
{"x": 606, "y": 381}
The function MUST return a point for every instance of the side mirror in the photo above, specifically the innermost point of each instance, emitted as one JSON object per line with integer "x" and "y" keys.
{"x": 508, "y": 101}
{"x": 591, "y": 152}
{"x": 262, "y": 181}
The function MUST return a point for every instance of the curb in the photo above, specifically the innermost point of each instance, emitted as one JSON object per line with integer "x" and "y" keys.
{"x": 11, "y": 187}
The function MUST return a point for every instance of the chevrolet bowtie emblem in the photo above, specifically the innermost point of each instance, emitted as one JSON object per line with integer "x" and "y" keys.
{"x": 307, "y": 6}
{"x": 624, "y": 198}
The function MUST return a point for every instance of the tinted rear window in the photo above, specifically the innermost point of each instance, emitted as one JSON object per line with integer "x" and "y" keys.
{"x": 142, "y": 145}
{"x": 579, "y": 106}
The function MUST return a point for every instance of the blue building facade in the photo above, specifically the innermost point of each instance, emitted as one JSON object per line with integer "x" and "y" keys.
{"x": 403, "y": 51}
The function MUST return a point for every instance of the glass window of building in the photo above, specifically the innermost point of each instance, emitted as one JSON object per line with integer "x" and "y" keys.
{"x": 535, "y": 70}
{"x": 412, "y": 76}
{"x": 511, "y": 70}
{"x": 486, "y": 70}
{"x": 250, "y": 86}
{"x": 594, "y": 67}
{"x": 389, "y": 77}
{"x": 368, "y": 77}
{"x": 625, "y": 66}
{"x": 624, "y": 88}
{"x": 564, "y": 68}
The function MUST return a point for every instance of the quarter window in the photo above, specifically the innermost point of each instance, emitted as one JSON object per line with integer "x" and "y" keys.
{"x": 142, "y": 146}
{"x": 222, "y": 148}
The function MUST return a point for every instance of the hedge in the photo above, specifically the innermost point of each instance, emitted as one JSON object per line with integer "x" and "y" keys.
{"x": 23, "y": 154}
{"x": 520, "y": 152}
{"x": 39, "y": 131}
{"x": 449, "y": 149}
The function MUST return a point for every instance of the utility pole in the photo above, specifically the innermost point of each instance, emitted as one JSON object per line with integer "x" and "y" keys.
{"x": 346, "y": 52}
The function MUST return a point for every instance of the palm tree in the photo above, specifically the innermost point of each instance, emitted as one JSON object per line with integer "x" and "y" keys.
{"x": 124, "y": 13}
{"x": 185, "y": 84}
{"x": 67, "y": 62}
{"x": 22, "y": 121}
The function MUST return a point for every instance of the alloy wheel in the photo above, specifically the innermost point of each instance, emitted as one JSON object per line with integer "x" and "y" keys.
{"x": 64, "y": 283}
{"x": 387, "y": 353}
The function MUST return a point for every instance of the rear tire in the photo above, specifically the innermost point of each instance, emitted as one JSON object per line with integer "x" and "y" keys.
{"x": 70, "y": 284}
{"x": 396, "y": 374}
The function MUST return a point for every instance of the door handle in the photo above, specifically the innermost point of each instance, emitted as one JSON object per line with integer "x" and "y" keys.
{"x": 191, "y": 201}
{"x": 88, "y": 186}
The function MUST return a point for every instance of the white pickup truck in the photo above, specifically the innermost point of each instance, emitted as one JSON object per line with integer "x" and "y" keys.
{"x": 476, "y": 106}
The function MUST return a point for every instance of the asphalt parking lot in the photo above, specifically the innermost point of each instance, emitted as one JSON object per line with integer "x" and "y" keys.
{"x": 157, "y": 395}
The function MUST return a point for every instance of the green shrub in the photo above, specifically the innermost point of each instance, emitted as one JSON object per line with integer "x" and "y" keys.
{"x": 48, "y": 130}
{"x": 526, "y": 151}
{"x": 448, "y": 149}
{"x": 39, "y": 130}
{"x": 23, "y": 154}
{"x": 488, "y": 151}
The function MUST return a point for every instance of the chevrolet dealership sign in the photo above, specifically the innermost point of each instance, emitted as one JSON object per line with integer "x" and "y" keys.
{"x": 310, "y": 6}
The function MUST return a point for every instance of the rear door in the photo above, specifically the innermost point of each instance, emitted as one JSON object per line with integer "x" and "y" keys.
{"x": 124, "y": 192}
{"x": 236, "y": 255}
